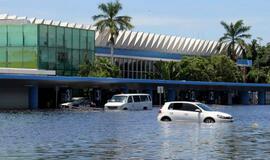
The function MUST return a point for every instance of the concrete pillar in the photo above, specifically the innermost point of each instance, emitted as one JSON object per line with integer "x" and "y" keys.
{"x": 171, "y": 94}
{"x": 261, "y": 98}
{"x": 230, "y": 96}
{"x": 244, "y": 97}
{"x": 33, "y": 97}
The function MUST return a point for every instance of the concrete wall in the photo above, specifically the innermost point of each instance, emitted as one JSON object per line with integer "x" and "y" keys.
{"x": 13, "y": 98}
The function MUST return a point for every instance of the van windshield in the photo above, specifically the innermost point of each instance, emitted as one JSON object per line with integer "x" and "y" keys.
{"x": 118, "y": 99}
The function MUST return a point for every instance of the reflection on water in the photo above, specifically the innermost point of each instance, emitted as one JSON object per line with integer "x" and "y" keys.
{"x": 133, "y": 135}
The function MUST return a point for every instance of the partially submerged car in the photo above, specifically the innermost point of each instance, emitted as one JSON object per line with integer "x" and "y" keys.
{"x": 191, "y": 111}
{"x": 77, "y": 102}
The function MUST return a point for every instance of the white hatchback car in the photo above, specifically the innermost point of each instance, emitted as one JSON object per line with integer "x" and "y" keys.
{"x": 191, "y": 111}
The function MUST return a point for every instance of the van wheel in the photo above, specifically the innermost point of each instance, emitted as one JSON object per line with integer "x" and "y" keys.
{"x": 209, "y": 120}
{"x": 166, "y": 119}
{"x": 144, "y": 108}
{"x": 125, "y": 109}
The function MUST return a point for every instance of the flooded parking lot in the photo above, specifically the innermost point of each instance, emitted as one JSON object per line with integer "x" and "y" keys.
{"x": 133, "y": 135}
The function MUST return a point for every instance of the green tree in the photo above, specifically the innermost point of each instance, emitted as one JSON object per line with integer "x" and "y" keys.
{"x": 196, "y": 69}
{"x": 225, "y": 70}
{"x": 257, "y": 75}
{"x": 235, "y": 34}
{"x": 100, "y": 68}
{"x": 167, "y": 70}
{"x": 110, "y": 21}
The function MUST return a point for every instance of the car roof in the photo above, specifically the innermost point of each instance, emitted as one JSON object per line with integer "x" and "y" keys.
{"x": 190, "y": 102}
{"x": 133, "y": 94}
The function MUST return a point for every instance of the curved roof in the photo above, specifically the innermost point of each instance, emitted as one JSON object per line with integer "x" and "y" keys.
{"x": 136, "y": 40}
{"x": 162, "y": 43}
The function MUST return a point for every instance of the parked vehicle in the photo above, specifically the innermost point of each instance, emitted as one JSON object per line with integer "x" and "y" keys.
{"x": 76, "y": 102}
{"x": 129, "y": 102}
{"x": 191, "y": 111}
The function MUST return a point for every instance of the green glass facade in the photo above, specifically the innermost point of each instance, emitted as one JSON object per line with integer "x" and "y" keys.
{"x": 45, "y": 47}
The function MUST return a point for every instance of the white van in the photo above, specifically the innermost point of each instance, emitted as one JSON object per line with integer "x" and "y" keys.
{"x": 129, "y": 102}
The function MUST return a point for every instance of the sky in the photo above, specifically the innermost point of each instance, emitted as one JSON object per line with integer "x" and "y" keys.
{"x": 188, "y": 18}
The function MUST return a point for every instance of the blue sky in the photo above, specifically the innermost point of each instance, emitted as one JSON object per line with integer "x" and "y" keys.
{"x": 188, "y": 18}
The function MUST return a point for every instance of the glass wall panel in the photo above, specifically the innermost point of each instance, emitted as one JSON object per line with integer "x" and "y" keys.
{"x": 43, "y": 58}
{"x": 61, "y": 58}
{"x": 60, "y": 37}
{"x": 75, "y": 59}
{"x": 68, "y": 37}
{"x": 3, "y": 57}
{"x": 68, "y": 62}
{"x": 15, "y": 57}
{"x": 52, "y": 36}
{"x": 91, "y": 40}
{"x": 83, "y": 39}
{"x": 76, "y": 39}
{"x": 29, "y": 57}
{"x": 30, "y": 35}
{"x": 51, "y": 58}
{"x": 15, "y": 35}
{"x": 43, "y": 35}
{"x": 3, "y": 35}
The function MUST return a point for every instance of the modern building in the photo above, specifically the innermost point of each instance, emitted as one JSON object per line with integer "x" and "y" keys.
{"x": 44, "y": 45}
{"x": 40, "y": 59}
{"x": 136, "y": 52}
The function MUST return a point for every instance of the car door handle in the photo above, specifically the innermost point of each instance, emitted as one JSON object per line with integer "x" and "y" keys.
{"x": 171, "y": 112}
{"x": 186, "y": 114}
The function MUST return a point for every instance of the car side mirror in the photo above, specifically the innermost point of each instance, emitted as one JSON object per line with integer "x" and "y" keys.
{"x": 198, "y": 110}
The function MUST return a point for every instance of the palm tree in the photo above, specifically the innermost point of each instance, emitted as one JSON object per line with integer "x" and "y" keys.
{"x": 167, "y": 70}
{"x": 235, "y": 34}
{"x": 110, "y": 21}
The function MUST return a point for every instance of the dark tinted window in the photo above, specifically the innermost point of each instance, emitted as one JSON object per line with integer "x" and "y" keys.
{"x": 136, "y": 98}
{"x": 130, "y": 99}
{"x": 176, "y": 106}
{"x": 143, "y": 98}
{"x": 183, "y": 107}
{"x": 189, "y": 107}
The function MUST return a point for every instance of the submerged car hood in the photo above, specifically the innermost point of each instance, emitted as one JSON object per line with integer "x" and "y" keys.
{"x": 114, "y": 104}
{"x": 221, "y": 113}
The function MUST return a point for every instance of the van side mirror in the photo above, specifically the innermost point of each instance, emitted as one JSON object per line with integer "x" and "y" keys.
{"x": 198, "y": 110}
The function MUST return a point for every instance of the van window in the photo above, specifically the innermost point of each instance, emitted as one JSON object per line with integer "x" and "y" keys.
{"x": 144, "y": 98}
{"x": 149, "y": 97}
{"x": 136, "y": 98}
{"x": 130, "y": 99}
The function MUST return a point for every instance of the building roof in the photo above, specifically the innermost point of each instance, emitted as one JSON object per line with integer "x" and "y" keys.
{"x": 83, "y": 82}
{"x": 137, "y": 40}
{"x": 162, "y": 43}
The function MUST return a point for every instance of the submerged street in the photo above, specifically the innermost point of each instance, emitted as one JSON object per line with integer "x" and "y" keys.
{"x": 132, "y": 135}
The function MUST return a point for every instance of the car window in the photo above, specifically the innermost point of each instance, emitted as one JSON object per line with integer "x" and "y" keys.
{"x": 176, "y": 106}
{"x": 130, "y": 99}
{"x": 136, "y": 98}
{"x": 189, "y": 107}
{"x": 144, "y": 98}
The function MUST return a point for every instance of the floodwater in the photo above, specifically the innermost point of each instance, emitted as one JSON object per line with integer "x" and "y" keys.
{"x": 133, "y": 135}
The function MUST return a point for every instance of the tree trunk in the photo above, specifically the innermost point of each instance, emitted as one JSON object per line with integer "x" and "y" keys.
{"x": 112, "y": 52}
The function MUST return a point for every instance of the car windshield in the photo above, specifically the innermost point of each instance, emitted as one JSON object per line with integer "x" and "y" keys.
{"x": 76, "y": 99}
{"x": 118, "y": 99}
{"x": 204, "y": 107}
